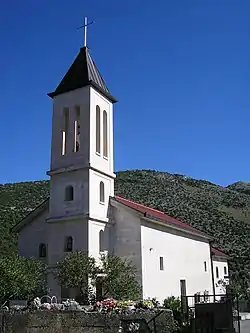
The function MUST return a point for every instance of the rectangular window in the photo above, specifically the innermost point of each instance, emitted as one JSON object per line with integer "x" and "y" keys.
{"x": 65, "y": 130}
{"x": 77, "y": 129}
{"x": 225, "y": 270}
{"x": 217, "y": 272}
{"x": 161, "y": 264}
{"x": 183, "y": 287}
{"x": 205, "y": 266}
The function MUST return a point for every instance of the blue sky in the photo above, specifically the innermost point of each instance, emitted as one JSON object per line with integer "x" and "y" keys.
{"x": 180, "y": 69}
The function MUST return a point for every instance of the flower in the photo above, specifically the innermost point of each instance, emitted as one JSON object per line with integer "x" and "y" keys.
{"x": 106, "y": 305}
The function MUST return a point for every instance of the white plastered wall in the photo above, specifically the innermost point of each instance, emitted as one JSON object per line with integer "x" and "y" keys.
{"x": 222, "y": 265}
{"x": 183, "y": 259}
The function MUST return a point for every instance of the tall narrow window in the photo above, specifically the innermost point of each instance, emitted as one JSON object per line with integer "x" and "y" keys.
{"x": 225, "y": 270}
{"x": 98, "y": 130}
{"x": 161, "y": 264}
{"x": 183, "y": 285}
{"x": 102, "y": 195}
{"x": 217, "y": 272}
{"x": 77, "y": 129}
{"x": 205, "y": 266}
{"x": 69, "y": 244}
{"x": 69, "y": 193}
{"x": 42, "y": 250}
{"x": 105, "y": 134}
{"x": 65, "y": 130}
{"x": 101, "y": 241}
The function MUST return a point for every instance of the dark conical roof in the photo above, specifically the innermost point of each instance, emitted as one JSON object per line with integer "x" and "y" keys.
{"x": 83, "y": 72}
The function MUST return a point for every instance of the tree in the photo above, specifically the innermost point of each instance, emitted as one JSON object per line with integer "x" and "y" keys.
{"x": 119, "y": 278}
{"x": 20, "y": 277}
{"x": 76, "y": 270}
{"x": 80, "y": 271}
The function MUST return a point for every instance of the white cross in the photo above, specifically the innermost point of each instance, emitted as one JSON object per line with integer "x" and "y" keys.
{"x": 85, "y": 29}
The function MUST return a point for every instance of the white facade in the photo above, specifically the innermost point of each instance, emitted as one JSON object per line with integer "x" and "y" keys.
{"x": 169, "y": 258}
{"x": 221, "y": 273}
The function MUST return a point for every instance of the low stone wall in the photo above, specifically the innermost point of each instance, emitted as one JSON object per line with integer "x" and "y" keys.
{"x": 78, "y": 322}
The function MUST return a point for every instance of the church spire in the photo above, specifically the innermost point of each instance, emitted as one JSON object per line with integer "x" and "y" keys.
{"x": 83, "y": 72}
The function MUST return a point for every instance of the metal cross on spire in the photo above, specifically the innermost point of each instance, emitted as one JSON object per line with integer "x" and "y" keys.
{"x": 85, "y": 30}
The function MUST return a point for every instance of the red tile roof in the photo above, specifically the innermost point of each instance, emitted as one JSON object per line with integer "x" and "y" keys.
{"x": 219, "y": 253}
{"x": 157, "y": 214}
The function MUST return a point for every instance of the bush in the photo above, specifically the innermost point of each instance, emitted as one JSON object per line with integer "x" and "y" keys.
{"x": 174, "y": 304}
{"x": 21, "y": 277}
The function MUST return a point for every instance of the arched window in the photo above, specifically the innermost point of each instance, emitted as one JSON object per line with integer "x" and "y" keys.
{"x": 101, "y": 241}
{"x": 65, "y": 130}
{"x": 98, "y": 130}
{"x": 69, "y": 193}
{"x": 105, "y": 134}
{"x": 69, "y": 244}
{"x": 42, "y": 250}
{"x": 217, "y": 272}
{"x": 77, "y": 129}
{"x": 102, "y": 195}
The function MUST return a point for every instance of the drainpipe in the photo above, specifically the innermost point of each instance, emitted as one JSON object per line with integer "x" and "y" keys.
{"x": 212, "y": 268}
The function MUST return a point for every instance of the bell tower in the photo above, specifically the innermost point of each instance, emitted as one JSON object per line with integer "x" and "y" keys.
{"x": 82, "y": 159}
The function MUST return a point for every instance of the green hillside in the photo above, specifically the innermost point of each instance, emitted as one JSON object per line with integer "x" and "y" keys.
{"x": 223, "y": 213}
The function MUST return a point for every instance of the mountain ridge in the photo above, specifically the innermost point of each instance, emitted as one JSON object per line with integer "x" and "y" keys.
{"x": 221, "y": 212}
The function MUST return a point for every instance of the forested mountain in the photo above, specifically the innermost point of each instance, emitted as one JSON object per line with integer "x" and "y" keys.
{"x": 223, "y": 213}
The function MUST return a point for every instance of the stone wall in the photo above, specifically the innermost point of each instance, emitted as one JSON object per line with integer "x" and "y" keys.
{"x": 78, "y": 322}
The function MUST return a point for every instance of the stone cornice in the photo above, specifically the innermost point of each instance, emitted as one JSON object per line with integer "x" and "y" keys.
{"x": 79, "y": 167}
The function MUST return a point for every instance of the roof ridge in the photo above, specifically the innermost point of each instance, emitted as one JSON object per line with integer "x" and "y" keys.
{"x": 90, "y": 75}
{"x": 86, "y": 54}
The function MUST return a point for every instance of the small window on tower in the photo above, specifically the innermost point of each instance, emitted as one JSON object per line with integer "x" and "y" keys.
{"x": 105, "y": 134}
{"x": 69, "y": 244}
{"x": 225, "y": 270}
{"x": 42, "y": 250}
{"x": 69, "y": 193}
{"x": 98, "y": 130}
{"x": 102, "y": 194}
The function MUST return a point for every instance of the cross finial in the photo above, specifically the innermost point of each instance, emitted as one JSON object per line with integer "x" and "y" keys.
{"x": 85, "y": 30}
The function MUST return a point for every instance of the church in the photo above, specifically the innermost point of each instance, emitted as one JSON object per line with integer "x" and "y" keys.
{"x": 82, "y": 213}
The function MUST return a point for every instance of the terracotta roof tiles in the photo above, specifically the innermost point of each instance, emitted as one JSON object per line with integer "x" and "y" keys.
{"x": 157, "y": 214}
